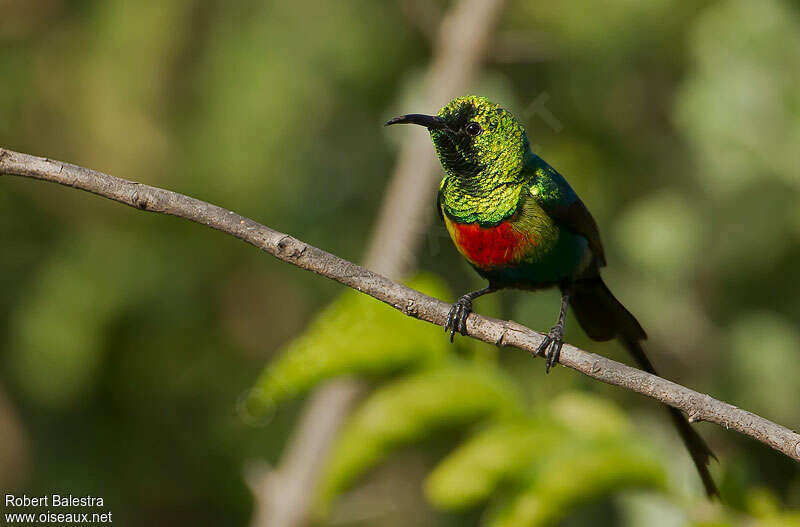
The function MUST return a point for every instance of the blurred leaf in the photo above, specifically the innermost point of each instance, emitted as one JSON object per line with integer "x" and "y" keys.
{"x": 662, "y": 234}
{"x": 58, "y": 332}
{"x": 506, "y": 451}
{"x": 739, "y": 105}
{"x": 588, "y": 415}
{"x": 471, "y": 473}
{"x": 354, "y": 335}
{"x": 791, "y": 519}
{"x": 651, "y": 509}
{"x": 762, "y": 503}
{"x": 574, "y": 473}
{"x": 413, "y": 408}
{"x": 624, "y": 19}
{"x": 764, "y": 355}
{"x": 268, "y": 80}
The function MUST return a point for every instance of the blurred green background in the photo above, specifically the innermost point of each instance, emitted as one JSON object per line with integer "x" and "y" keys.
{"x": 127, "y": 339}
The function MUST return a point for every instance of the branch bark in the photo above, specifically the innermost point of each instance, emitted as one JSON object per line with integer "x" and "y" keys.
{"x": 699, "y": 407}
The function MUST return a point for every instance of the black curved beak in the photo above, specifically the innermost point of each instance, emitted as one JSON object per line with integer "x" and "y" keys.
{"x": 431, "y": 122}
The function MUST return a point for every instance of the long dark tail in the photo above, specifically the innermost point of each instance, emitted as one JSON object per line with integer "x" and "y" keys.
{"x": 603, "y": 317}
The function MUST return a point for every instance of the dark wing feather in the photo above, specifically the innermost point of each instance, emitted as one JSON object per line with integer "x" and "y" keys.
{"x": 576, "y": 217}
{"x": 566, "y": 208}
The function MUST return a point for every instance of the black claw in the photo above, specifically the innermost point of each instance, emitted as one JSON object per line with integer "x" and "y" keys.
{"x": 457, "y": 317}
{"x": 542, "y": 348}
{"x": 557, "y": 351}
{"x": 463, "y": 321}
{"x": 449, "y": 321}
{"x": 450, "y": 318}
{"x": 550, "y": 347}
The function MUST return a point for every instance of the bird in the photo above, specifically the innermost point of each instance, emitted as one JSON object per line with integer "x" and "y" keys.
{"x": 520, "y": 225}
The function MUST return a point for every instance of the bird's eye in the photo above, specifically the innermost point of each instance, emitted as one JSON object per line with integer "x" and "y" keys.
{"x": 473, "y": 129}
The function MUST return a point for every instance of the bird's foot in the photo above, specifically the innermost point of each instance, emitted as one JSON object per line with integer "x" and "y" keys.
{"x": 457, "y": 318}
{"x": 550, "y": 348}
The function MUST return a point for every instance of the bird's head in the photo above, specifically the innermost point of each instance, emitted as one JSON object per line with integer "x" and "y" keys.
{"x": 475, "y": 139}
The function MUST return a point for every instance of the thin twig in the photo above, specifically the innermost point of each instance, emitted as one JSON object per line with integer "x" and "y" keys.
{"x": 699, "y": 406}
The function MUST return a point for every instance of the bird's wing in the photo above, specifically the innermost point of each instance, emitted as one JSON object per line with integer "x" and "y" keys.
{"x": 577, "y": 218}
{"x": 562, "y": 204}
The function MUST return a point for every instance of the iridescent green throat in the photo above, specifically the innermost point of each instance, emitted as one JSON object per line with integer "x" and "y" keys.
{"x": 486, "y": 204}
{"x": 484, "y": 151}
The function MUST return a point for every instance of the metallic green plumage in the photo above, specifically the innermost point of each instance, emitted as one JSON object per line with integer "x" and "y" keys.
{"x": 494, "y": 177}
{"x": 482, "y": 174}
{"x": 520, "y": 224}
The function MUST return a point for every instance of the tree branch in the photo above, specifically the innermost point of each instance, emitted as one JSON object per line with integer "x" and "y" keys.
{"x": 699, "y": 407}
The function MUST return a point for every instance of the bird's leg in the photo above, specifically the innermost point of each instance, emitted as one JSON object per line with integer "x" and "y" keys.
{"x": 555, "y": 338}
{"x": 457, "y": 318}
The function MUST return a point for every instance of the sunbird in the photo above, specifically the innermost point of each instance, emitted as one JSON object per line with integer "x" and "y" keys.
{"x": 521, "y": 225}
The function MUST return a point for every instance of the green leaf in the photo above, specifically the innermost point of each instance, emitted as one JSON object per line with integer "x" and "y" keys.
{"x": 57, "y": 333}
{"x": 416, "y": 407}
{"x": 744, "y": 70}
{"x": 774, "y": 379}
{"x": 590, "y": 415}
{"x": 791, "y": 519}
{"x": 474, "y": 470}
{"x": 506, "y": 451}
{"x": 661, "y": 233}
{"x": 575, "y": 473}
{"x": 354, "y": 335}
